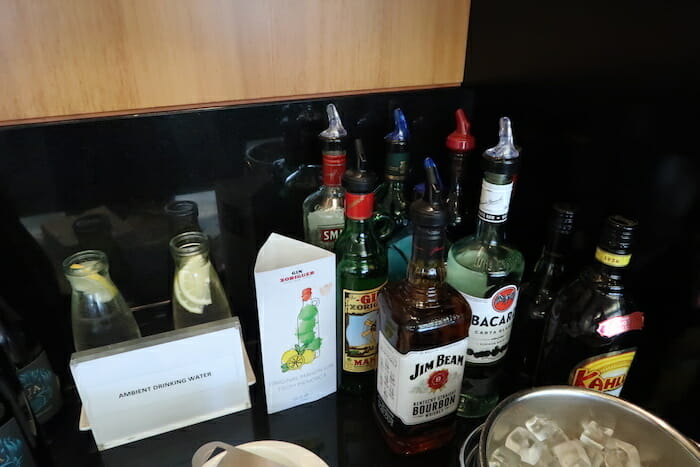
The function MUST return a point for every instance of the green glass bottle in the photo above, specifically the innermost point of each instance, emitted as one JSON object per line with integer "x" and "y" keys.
{"x": 361, "y": 273}
{"x": 487, "y": 272}
{"x": 391, "y": 195}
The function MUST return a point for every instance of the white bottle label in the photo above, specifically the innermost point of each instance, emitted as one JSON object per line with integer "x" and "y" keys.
{"x": 492, "y": 321}
{"x": 494, "y": 202}
{"x": 420, "y": 386}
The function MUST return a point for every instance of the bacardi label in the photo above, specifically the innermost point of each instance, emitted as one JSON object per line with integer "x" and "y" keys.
{"x": 492, "y": 321}
{"x": 419, "y": 386}
{"x": 360, "y": 329}
{"x": 494, "y": 202}
{"x": 605, "y": 373}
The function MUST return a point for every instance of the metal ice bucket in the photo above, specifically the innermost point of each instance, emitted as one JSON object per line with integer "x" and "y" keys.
{"x": 658, "y": 443}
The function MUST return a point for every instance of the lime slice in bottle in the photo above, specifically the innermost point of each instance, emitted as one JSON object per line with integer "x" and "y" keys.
{"x": 93, "y": 284}
{"x": 191, "y": 287}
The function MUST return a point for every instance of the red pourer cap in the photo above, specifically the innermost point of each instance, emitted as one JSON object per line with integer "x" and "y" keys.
{"x": 461, "y": 140}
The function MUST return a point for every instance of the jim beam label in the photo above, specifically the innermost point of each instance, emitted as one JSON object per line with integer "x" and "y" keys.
{"x": 605, "y": 373}
{"x": 494, "y": 202}
{"x": 360, "y": 330}
{"x": 492, "y": 321}
{"x": 419, "y": 386}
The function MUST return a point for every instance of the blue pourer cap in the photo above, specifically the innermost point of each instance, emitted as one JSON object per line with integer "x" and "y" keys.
{"x": 400, "y": 133}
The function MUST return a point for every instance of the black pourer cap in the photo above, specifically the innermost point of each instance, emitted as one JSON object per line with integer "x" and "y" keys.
{"x": 617, "y": 235}
{"x": 562, "y": 218}
{"x": 360, "y": 180}
{"x": 430, "y": 210}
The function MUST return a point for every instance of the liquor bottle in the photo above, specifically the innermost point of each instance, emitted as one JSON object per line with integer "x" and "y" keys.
{"x": 324, "y": 209}
{"x": 423, "y": 329}
{"x": 487, "y": 271}
{"x": 460, "y": 143}
{"x": 198, "y": 296}
{"x": 183, "y": 216}
{"x": 361, "y": 274}
{"x": 537, "y": 295}
{"x": 40, "y": 383}
{"x": 391, "y": 195}
{"x": 21, "y": 442}
{"x": 594, "y": 327}
{"x": 99, "y": 313}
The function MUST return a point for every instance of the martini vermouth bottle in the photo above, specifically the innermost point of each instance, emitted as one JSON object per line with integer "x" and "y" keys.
{"x": 487, "y": 271}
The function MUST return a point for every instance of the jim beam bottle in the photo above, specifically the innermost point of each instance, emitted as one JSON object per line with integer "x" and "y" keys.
{"x": 593, "y": 328}
{"x": 423, "y": 328}
{"x": 361, "y": 273}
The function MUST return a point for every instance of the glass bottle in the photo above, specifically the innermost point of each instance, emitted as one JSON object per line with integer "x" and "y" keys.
{"x": 324, "y": 209}
{"x": 423, "y": 329}
{"x": 460, "y": 143}
{"x": 487, "y": 271}
{"x": 361, "y": 273}
{"x": 594, "y": 327}
{"x": 99, "y": 313}
{"x": 40, "y": 383}
{"x": 198, "y": 296}
{"x": 390, "y": 197}
{"x": 183, "y": 216}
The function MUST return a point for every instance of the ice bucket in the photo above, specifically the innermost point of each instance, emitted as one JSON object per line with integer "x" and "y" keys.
{"x": 658, "y": 443}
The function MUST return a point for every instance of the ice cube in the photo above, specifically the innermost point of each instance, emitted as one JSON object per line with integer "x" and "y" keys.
{"x": 538, "y": 455}
{"x": 594, "y": 434}
{"x": 546, "y": 430}
{"x": 504, "y": 457}
{"x": 520, "y": 440}
{"x": 571, "y": 454}
{"x": 595, "y": 454}
{"x": 618, "y": 453}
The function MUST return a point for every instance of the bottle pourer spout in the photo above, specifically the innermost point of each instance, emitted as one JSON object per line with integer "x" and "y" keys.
{"x": 433, "y": 189}
{"x": 361, "y": 158}
{"x": 400, "y": 133}
{"x": 505, "y": 149}
{"x": 335, "y": 128}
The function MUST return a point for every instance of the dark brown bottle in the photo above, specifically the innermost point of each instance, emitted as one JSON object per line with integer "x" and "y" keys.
{"x": 423, "y": 329}
{"x": 593, "y": 328}
{"x": 537, "y": 296}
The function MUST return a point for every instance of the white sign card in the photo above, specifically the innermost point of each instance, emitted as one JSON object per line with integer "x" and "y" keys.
{"x": 295, "y": 288}
{"x": 147, "y": 386}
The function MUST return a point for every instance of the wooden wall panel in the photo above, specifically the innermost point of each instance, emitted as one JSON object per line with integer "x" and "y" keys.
{"x": 73, "y": 58}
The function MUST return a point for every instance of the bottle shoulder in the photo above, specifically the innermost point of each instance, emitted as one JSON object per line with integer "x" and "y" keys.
{"x": 475, "y": 255}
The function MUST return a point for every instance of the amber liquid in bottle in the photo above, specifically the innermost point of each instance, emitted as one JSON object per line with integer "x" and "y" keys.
{"x": 423, "y": 324}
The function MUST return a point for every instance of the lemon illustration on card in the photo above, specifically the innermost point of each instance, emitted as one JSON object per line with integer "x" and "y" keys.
{"x": 308, "y": 345}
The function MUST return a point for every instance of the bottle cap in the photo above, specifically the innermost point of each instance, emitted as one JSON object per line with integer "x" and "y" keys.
{"x": 617, "y": 235}
{"x": 562, "y": 218}
{"x": 430, "y": 210}
{"x": 461, "y": 140}
{"x": 400, "y": 133}
{"x": 181, "y": 208}
{"x": 505, "y": 156}
{"x": 360, "y": 180}
{"x": 335, "y": 128}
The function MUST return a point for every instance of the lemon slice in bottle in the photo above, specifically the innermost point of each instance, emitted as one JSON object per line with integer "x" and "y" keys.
{"x": 191, "y": 287}
{"x": 93, "y": 284}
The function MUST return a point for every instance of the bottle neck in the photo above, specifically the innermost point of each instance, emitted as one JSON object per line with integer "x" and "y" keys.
{"x": 496, "y": 190}
{"x": 334, "y": 162}
{"x": 611, "y": 264}
{"x": 359, "y": 207}
{"x": 457, "y": 164}
{"x": 427, "y": 266}
{"x": 397, "y": 161}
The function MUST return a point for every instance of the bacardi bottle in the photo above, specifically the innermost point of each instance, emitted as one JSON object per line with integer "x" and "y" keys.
{"x": 423, "y": 328}
{"x": 593, "y": 328}
{"x": 361, "y": 274}
{"x": 487, "y": 271}
{"x": 324, "y": 209}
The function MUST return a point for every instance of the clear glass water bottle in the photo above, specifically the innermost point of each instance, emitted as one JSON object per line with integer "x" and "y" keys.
{"x": 99, "y": 313}
{"x": 198, "y": 296}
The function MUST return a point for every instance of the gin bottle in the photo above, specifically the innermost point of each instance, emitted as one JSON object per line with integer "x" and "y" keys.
{"x": 391, "y": 195}
{"x": 460, "y": 143}
{"x": 324, "y": 209}
{"x": 487, "y": 271}
{"x": 423, "y": 328}
{"x": 594, "y": 327}
{"x": 361, "y": 274}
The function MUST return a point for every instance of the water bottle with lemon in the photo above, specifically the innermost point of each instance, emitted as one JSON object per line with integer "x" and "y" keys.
{"x": 99, "y": 314}
{"x": 198, "y": 296}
